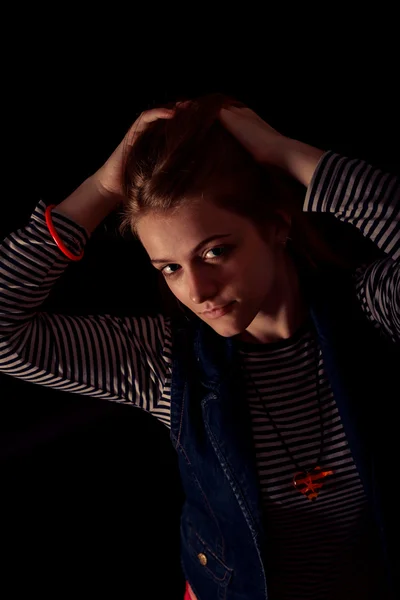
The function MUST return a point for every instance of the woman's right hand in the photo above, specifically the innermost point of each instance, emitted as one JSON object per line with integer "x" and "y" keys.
{"x": 109, "y": 177}
{"x": 102, "y": 193}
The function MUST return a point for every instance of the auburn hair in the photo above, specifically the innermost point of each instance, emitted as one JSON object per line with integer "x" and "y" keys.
{"x": 176, "y": 160}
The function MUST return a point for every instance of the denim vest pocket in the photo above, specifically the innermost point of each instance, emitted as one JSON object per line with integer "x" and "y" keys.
{"x": 206, "y": 560}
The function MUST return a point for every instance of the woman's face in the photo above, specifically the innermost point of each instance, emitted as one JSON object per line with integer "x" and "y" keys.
{"x": 211, "y": 257}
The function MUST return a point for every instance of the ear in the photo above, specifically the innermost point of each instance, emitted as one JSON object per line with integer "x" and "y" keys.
{"x": 282, "y": 225}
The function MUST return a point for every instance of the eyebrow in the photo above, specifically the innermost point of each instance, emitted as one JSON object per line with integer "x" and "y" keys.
{"x": 195, "y": 250}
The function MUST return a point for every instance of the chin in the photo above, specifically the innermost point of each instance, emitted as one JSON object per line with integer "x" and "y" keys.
{"x": 228, "y": 328}
{"x": 224, "y": 332}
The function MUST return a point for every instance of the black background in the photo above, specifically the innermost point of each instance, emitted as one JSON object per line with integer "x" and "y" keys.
{"x": 90, "y": 491}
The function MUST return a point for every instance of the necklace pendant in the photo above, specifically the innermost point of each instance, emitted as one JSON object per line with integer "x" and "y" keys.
{"x": 310, "y": 482}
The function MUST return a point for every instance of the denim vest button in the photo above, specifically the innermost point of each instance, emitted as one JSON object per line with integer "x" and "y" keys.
{"x": 202, "y": 559}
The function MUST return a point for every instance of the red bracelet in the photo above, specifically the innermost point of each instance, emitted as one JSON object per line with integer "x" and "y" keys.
{"x": 57, "y": 238}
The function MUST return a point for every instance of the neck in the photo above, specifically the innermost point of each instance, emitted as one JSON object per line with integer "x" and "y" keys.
{"x": 283, "y": 312}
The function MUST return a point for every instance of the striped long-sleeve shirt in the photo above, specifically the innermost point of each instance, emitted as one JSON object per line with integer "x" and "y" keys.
{"x": 128, "y": 359}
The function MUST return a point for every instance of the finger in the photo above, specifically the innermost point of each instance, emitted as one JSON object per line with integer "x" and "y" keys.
{"x": 233, "y": 114}
{"x": 147, "y": 116}
{"x": 157, "y": 113}
{"x": 183, "y": 104}
{"x": 144, "y": 119}
{"x": 237, "y": 109}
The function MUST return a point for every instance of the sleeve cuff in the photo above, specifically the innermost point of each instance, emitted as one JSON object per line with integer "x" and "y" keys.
{"x": 74, "y": 236}
{"x": 319, "y": 197}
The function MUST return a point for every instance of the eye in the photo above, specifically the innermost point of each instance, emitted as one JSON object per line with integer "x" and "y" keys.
{"x": 219, "y": 250}
{"x": 168, "y": 274}
{"x": 172, "y": 269}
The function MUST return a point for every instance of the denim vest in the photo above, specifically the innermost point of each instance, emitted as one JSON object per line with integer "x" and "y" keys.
{"x": 222, "y": 533}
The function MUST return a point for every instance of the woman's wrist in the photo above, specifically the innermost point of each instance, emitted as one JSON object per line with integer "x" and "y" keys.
{"x": 298, "y": 159}
{"x": 89, "y": 204}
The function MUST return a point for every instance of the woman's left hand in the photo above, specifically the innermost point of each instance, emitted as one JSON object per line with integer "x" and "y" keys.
{"x": 268, "y": 146}
{"x": 263, "y": 142}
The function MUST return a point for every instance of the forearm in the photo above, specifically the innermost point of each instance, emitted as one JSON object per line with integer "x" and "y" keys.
{"x": 299, "y": 159}
{"x": 89, "y": 204}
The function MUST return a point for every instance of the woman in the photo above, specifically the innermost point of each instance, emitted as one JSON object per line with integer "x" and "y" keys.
{"x": 274, "y": 377}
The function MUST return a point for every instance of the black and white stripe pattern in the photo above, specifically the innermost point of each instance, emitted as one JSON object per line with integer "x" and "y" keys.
{"x": 114, "y": 358}
{"x": 305, "y": 539}
{"x": 129, "y": 360}
{"x": 358, "y": 193}
{"x": 378, "y": 289}
{"x": 369, "y": 199}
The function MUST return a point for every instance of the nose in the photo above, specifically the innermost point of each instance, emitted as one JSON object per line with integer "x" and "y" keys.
{"x": 201, "y": 286}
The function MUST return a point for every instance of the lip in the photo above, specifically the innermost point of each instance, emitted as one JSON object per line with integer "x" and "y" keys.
{"x": 218, "y": 312}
